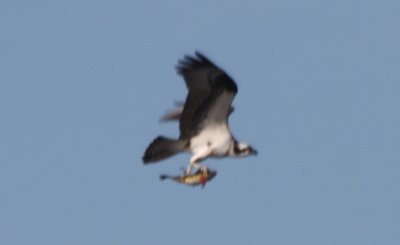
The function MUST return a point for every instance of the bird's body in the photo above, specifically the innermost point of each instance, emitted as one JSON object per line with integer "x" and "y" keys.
{"x": 203, "y": 120}
{"x": 216, "y": 139}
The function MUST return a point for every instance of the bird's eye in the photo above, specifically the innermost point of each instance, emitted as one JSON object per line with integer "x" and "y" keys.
{"x": 245, "y": 150}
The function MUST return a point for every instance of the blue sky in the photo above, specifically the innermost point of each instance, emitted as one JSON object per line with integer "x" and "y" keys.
{"x": 83, "y": 84}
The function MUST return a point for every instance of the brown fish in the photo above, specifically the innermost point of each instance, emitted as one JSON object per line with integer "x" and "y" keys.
{"x": 200, "y": 177}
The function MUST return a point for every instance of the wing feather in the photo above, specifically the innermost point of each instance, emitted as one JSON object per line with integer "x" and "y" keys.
{"x": 210, "y": 94}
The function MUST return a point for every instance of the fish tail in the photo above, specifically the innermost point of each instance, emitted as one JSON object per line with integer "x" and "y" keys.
{"x": 164, "y": 176}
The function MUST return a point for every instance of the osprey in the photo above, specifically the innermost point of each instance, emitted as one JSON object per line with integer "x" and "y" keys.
{"x": 203, "y": 120}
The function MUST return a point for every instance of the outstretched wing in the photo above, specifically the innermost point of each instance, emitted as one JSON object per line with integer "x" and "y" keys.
{"x": 175, "y": 113}
{"x": 210, "y": 94}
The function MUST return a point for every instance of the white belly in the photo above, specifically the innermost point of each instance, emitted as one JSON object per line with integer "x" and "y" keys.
{"x": 217, "y": 138}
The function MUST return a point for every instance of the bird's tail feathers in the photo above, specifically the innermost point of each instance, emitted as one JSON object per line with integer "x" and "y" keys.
{"x": 162, "y": 148}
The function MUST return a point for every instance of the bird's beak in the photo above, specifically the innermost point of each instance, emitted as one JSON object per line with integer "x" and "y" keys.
{"x": 254, "y": 152}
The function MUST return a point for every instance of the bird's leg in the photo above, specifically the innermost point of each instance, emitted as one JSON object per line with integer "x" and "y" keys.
{"x": 195, "y": 161}
{"x": 188, "y": 169}
{"x": 191, "y": 166}
{"x": 196, "y": 166}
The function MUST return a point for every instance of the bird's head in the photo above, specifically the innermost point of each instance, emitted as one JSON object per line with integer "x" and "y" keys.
{"x": 243, "y": 149}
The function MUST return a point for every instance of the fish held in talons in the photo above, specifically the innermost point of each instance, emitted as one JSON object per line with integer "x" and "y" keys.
{"x": 200, "y": 177}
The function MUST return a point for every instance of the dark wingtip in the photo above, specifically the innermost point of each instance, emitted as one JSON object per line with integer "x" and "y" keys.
{"x": 192, "y": 61}
{"x": 203, "y": 58}
{"x": 199, "y": 54}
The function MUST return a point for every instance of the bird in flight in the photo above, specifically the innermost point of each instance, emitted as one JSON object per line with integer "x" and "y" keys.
{"x": 203, "y": 121}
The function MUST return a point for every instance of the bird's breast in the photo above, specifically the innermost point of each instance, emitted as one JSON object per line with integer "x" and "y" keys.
{"x": 217, "y": 137}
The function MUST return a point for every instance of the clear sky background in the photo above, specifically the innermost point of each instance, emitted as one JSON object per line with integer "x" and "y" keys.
{"x": 84, "y": 83}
